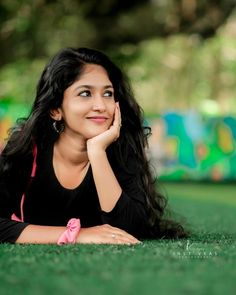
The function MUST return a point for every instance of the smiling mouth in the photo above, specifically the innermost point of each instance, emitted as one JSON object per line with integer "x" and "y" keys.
{"x": 98, "y": 119}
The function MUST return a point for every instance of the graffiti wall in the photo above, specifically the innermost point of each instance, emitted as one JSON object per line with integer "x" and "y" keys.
{"x": 9, "y": 112}
{"x": 190, "y": 146}
{"x": 182, "y": 146}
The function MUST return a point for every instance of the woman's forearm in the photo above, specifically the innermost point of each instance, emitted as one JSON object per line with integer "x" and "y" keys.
{"x": 101, "y": 234}
{"x": 108, "y": 188}
{"x": 39, "y": 234}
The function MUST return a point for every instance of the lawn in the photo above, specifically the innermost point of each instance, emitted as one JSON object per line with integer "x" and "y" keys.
{"x": 202, "y": 264}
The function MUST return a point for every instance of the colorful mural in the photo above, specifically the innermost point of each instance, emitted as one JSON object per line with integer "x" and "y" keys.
{"x": 185, "y": 146}
{"x": 192, "y": 147}
{"x": 9, "y": 112}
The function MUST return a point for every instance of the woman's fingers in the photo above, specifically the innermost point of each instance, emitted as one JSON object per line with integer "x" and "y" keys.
{"x": 119, "y": 235}
{"x": 126, "y": 236}
{"x": 105, "y": 234}
{"x": 121, "y": 240}
{"x": 117, "y": 118}
{"x": 116, "y": 125}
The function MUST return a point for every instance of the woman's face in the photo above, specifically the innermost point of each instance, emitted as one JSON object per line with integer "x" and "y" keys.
{"x": 88, "y": 104}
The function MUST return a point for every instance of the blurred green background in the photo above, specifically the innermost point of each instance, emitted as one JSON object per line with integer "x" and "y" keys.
{"x": 180, "y": 56}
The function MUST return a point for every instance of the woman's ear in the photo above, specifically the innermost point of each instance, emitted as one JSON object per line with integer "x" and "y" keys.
{"x": 56, "y": 114}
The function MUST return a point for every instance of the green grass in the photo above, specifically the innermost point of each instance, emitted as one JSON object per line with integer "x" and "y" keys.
{"x": 202, "y": 264}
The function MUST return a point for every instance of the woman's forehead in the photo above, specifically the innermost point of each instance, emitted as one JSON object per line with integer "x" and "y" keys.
{"x": 93, "y": 75}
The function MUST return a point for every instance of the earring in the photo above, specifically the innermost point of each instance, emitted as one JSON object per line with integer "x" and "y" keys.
{"x": 58, "y": 126}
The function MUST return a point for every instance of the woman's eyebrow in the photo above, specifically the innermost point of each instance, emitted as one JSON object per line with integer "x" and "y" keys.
{"x": 92, "y": 87}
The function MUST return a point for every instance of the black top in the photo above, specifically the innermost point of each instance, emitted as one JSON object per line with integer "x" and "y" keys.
{"x": 47, "y": 202}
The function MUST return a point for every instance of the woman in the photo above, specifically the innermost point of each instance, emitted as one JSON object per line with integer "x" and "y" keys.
{"x": 75, "y": 170}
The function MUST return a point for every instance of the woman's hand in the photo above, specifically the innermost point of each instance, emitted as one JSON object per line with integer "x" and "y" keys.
{"x": 105, "y": 234}
{"x": 103, "y": 140}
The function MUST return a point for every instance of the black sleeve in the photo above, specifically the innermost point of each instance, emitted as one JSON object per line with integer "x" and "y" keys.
{"x": 129, "y": 215}
{"x": 9, "y": 230}
{"x": 130, "y": 211}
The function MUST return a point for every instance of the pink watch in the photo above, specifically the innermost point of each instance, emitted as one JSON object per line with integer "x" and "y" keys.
{"x": 70, "y": 234}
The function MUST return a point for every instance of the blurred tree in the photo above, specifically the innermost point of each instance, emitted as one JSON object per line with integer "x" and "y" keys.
{"x": 36, "y": 28}
{"x": 141, "y": 20}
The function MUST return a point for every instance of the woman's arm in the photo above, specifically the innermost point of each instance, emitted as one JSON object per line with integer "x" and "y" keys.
{"x": 38, "y": 234}
{"x": 122, "y": 202}
{"x": 108, "y": 188}
{"x": 10, "y": 230}
{"x": 102, "y": 234}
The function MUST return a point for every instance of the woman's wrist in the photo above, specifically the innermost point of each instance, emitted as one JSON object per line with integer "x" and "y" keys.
{"x": 95, "y": 153}
{"x": 69, "y": 236}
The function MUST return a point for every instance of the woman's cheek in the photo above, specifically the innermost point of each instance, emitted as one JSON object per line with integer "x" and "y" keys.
{"x": 114, "y": 110}
{"x": 110, "y": 123}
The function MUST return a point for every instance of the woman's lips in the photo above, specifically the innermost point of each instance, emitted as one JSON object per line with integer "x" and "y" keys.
{"x": 97, "y": 119}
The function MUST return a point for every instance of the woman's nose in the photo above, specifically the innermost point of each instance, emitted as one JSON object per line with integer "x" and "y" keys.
{"x": 99, "y": 105}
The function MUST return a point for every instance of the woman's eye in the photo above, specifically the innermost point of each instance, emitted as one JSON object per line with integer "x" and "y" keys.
{"x": 108, "y": 94}
{"x": 85, "y": 93}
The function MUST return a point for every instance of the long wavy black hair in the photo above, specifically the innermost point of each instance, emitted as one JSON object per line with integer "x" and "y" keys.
{"x": 62, "y": 71}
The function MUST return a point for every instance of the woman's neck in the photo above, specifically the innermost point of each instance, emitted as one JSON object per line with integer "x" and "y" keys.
{"x": 71, "y": 150}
